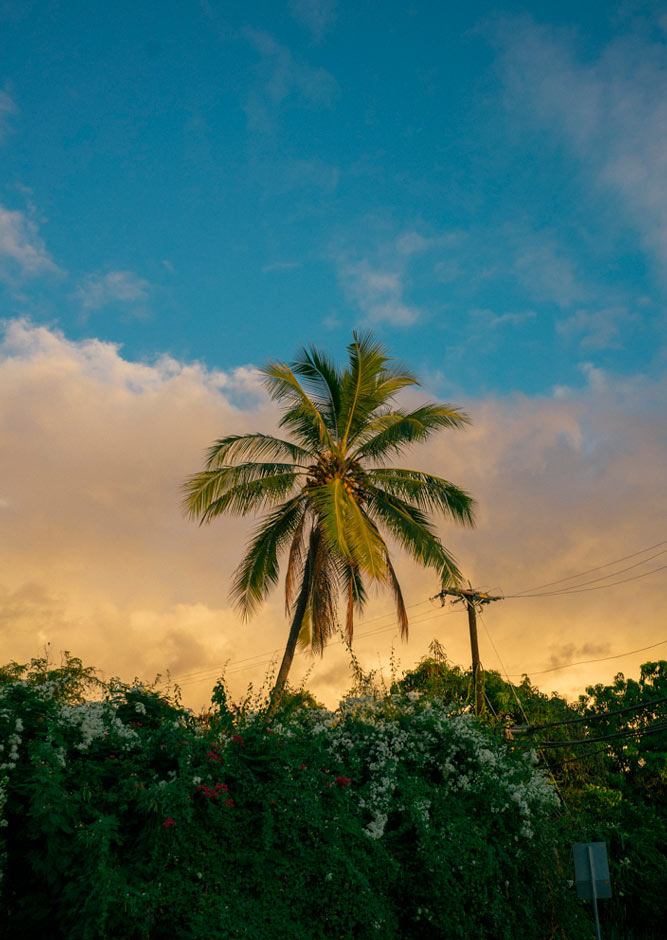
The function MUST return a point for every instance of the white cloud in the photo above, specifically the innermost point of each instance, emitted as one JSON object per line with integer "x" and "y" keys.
{"x": 7, "y": 109}
{"x": 114, "y": 287}
{"x": 281, "y": 78}
{"x": 23, "y": 253}
{"x": 598, "y": 329}
{"x": 610, "y": 110}
{"x": 376, "y": 273}
{"x": 411, "y": 243}
{"x": 316, "y": 15}
{"x": 545, "y": 270}
{"x": 378, "y": 293}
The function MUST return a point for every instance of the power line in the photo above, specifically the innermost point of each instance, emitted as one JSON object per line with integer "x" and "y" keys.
{"x": 583, "y": 590}
{"x": 593, "y": 753}
{"x": 597, "y": 717}
{"x": 586, "y": 662}
{"x": 607, "y": 564}
{"x": 604, "y": 577}
{"x": 638, "y": 732}
{"x": 259, "y": 659}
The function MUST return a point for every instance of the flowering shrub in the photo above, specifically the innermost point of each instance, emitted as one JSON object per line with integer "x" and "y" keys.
{"x": 393, "y": 817}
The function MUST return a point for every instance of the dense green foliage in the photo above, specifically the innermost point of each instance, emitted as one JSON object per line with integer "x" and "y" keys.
{"x": 615, "y": 789}
{"x": 396, "y": 816}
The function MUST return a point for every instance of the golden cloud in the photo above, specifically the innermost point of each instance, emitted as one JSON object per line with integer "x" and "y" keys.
{"x": 98, "y": 559}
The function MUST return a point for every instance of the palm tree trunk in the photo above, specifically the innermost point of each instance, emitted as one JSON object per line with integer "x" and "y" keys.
{"x": 295, "y": 629}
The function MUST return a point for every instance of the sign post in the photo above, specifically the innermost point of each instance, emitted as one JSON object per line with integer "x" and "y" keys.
{"x": 591, "y": 871}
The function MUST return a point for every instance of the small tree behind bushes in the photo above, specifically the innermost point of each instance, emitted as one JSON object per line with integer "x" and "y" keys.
{"x": 396, "y": 816}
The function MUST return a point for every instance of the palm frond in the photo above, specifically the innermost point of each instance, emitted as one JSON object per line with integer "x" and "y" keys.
{"x": 355, "y": 594}
{"x": 238, "y": 490}
{"x": 322, "y": 379}
{"x": 296, "y": 564}
{"x": 413, "y": 531}
{"x": 392, "y": 433}
{"x": 259, "y": 570}
{"x": 367, "y": 385}
{"x": 254, "y": 447}
{"x": 301, "y": 416}
{"x": 401, "y": 612}
{"x": 348, "y": 530}
{"x": 323, "y": 592}
{"x": 428, "y": 492}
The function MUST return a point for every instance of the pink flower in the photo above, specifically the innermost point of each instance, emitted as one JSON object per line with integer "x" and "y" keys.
{"x": 229, "y": 802}
{"x": 342, "y": 781}
{"x": 169, "y": 822}
{"x": 237, "y": 739}
{"x": 222, "y": 786}
{"x": 302, "y": 766}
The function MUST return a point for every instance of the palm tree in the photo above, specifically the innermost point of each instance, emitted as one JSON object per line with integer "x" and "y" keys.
{"x": 328, "y": 494}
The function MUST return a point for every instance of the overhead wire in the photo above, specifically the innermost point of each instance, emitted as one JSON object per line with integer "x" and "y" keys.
{"x": 593, "y": 753}
{"x": 260, "y": 659}
{"x": 583, "y": 590}
{"x": 629, "y": 733}
{"x": 196, "y": 674}
{"x": 607, "y": 564}
{"x": 598, "y": 716}
{"x": 586, "y": 662}
{"x": 267, "y": 656}
{"x": 604, "y": 577}
{"x": 235, "y": 668}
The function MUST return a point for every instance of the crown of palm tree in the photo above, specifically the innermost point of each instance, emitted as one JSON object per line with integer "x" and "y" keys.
{"x": 327, "y": 493}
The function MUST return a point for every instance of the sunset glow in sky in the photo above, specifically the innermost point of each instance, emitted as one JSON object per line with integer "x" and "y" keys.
{"x": 188, "y": 190}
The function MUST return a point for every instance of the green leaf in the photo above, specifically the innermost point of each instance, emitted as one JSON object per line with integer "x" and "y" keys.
{"x": 349, "y": 532}
{"x": 391, "y": 433}
{"x": 238, "y": 490}
{"x": 412, "y": 530}
{"x": 254, "y": 447}
{"x": 302, "y": 415}
{"x": 259, "y": 570}
{"x": 428, "y": 492}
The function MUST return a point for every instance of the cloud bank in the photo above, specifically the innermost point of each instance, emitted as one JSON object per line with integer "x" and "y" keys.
{"x": 98, "y": 558}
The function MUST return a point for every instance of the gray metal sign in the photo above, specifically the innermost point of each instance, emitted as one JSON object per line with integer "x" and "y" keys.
{"x": 591, "y": 870}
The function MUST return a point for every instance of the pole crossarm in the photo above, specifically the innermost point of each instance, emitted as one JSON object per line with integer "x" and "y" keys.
{"x": 467, "y": 595}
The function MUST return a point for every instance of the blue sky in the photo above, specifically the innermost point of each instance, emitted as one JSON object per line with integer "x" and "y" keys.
{"x": 484, "y": 187}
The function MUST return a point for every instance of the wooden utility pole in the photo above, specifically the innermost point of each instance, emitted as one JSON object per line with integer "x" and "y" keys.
{"x": 472, "y": 600}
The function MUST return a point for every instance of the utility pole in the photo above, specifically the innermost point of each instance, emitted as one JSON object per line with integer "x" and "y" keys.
{"x": 472, "y": 601}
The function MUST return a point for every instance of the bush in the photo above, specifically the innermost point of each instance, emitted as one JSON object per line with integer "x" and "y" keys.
{"x": 393, "y": 817}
